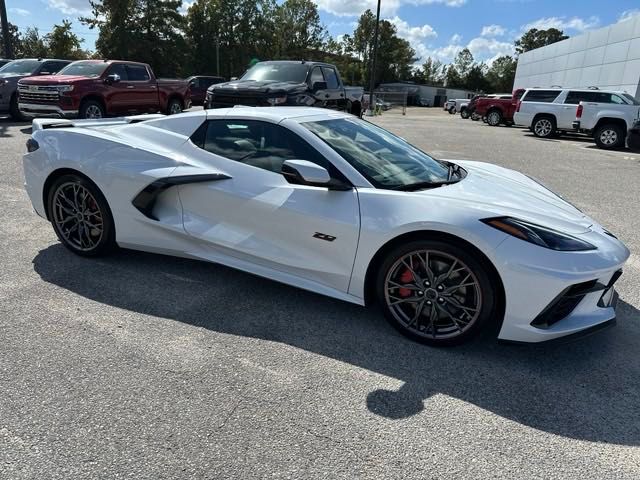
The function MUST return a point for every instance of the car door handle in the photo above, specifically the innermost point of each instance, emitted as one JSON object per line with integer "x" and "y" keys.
{"x": 131, "y": 86}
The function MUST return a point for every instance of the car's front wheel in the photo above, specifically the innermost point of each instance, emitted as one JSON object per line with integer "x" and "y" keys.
{"x": 475, "y": 116}
{"x": 80, "y": 216}
{"x": 91, "y": 109}
{"x": 436, "y": 293}
{"x": 464, "y": 113}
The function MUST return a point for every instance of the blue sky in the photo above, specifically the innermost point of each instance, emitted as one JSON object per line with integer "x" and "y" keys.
{"x": 437, "y": 28}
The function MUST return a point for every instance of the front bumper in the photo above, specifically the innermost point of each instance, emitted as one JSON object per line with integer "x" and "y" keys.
{"x": 551, "y": 294}
{"x": 31, "y": 109}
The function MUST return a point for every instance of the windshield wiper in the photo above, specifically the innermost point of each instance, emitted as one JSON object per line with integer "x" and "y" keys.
{"x": 410, "y": 187}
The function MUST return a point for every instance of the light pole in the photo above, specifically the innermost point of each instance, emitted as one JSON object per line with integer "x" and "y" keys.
{"x": 372, "y": 61}
{"x": 6, "y": 35}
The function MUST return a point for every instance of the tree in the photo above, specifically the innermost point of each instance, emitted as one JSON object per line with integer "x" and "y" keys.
{"x": 33, "y": 45}
{"x": 535, "y": 38}
{"x": 117, "y": 23}
{"x": 298, "y": 29}
{"x": 476, "y": 78}
{"x": 62, "y": 42}
{"x": 16, "y": 42}
{"x": 502, "y": 73}
{"x": 430, "y": 72}
{"x": 463, "y": 63}
{"x": 453, "y": 78}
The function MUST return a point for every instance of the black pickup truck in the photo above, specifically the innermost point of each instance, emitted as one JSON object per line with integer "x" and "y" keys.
{"x": 288, "y": 83}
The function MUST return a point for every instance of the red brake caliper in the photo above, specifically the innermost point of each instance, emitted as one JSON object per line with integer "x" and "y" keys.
{"x": 406, "y": 277}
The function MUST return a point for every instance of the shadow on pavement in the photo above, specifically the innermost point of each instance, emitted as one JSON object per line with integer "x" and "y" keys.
{"x": 589, "y": 389}
{"x": 8, "y": 122}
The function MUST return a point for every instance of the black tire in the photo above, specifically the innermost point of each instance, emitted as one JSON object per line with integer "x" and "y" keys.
{"x": 397, "y": 310}
{"x": 14, "y": 111}
{"x": 544, "y": 127}
{"x": 484, "y": 119}
{"x": 174, "y": 106}
{"x": 609, "y": 136}
{"x": 92, "y": 109}
{"x": 99, "y": 230}
{"x": 475, "y": 117}
{"x": 452, "y": 110}
{"x": 464, "y": 113}
{"x": 494, "y": 118}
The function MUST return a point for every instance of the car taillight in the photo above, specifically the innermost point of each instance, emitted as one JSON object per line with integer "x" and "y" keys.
{"x": 579, "y": 112}
{"x": 518, "y": 106}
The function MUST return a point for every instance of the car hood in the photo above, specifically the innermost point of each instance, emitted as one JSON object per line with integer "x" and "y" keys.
{"x": 255, "y": 86}
{"x": 498, "y": 191}
{"x": 12, "y": 76}
{"x": 54, "y": 79}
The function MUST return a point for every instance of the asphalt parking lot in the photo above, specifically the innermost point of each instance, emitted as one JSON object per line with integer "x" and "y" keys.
{"x": 145, "y": 366}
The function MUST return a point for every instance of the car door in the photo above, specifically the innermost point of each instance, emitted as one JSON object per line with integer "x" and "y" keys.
{"x": 144, "y": 90}
{"x": 119, "y": 96}
{"x": 335, "y": 96}
{"x": 257, "y": 216}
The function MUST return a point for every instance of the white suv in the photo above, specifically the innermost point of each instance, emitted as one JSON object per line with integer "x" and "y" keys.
{"x": 549, "y": 111}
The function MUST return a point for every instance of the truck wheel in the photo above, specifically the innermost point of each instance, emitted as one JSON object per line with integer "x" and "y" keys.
{"x": 464, "y": 113}
{"x": 15, "y": 112}
{"x": 475, "y": 117}
{"x": 609, "y": 136}
{"x": 174, "y": 107}
{"x": 494, "y": 118}
{"x": 91, "y": 109}
{"x": 544, "y": 127}
{"x": 452, "y": 110}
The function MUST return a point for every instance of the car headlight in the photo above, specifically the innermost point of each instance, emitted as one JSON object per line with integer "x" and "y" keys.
{"x": 65, "y": 88}
{"x": 277, "y": 100}
{"x": 538, "y": 235}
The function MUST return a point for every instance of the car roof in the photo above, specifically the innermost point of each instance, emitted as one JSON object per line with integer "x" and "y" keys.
{"x": 42, "y": 60}
{"x": 296, "y": 62}
{"x": 577, "y": 89}
{"x": 274, "y": 114}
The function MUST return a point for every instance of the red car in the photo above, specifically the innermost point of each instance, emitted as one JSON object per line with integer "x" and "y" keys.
{"x": 199, "y": 85}
{"x": 499, "y": 109}
{"x": 99, "y": 88}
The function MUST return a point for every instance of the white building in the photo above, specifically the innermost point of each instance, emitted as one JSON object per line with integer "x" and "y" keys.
{"x": 606, "y": 58}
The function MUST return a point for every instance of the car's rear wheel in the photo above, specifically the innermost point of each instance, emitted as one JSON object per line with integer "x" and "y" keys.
{"x": 609, "y": 136}
{"x": 92, "y": 109}
{"x": 80, "y": 216}
{"x": 174, "y": 107}
{"x": 434, "y": 292}
{"x": 544, "y": 127}
{"x": 494, "y": 118}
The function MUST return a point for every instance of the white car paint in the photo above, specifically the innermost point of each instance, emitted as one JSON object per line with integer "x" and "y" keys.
{"x": 258, "y": 222}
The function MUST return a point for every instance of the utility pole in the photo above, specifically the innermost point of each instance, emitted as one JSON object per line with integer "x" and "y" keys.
{"x": 6, "y": 35}
{"x": 372, "y": 61}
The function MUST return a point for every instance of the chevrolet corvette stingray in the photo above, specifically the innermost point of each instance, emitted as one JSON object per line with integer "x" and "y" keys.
{"x": 333, "y": 204}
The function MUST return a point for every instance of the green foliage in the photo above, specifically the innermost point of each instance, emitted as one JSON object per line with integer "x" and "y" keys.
{"x": 61, "y": 42}
{"x": 535, "y": 38}
{"x": 32, "y": 45}
{"x": 15, "y": 41}
{"x": 502, "y": 73}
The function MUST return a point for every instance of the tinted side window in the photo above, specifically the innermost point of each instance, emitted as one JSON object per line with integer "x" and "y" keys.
{"x": 118, "y": 69}
{"x": 49, "y": 67}
{"x": 260, "y": 144}
{"x": 574, "y": 98}
{"x": 316, "y": 76}
{"x": 137, "y": 73}
{"x": 331, "y": 77}
{"x": 55, "y": 67}
{"x": 546, "y": 96}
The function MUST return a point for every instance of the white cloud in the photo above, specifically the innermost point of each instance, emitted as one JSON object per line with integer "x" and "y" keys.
{"x": 563, "y": 23}
{"x": 20, "y": 11}
{"x": 492, "y": 31}
{"x": 412, "y": 34}
{"x": 353, "y": 8}
{"x": 627, "y": 14}
{"x": 456, "y": 38}
{"x": 70, "y": 7}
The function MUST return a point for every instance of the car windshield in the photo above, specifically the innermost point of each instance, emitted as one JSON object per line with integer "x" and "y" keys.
{"x": 84, "y": 69}
{"x": 281, "y": 72}
{"x": 385, "y": 160}
{"x": 631, "y": 98}
{"x": 21, "y": 67}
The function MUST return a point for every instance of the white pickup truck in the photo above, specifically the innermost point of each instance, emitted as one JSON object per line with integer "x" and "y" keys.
{"x": 456, "y": 105}
{"x": 608, "y": 119}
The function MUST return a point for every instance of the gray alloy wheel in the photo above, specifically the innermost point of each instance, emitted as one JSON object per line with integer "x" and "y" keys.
{"x": 93, "y": 111}
{"x": 80, "y": 216}
{"x": 435, "y": 293}
{"x": 609, "y": 136}
{"x": 175, "y": 107}
{"x": 494, "y": 118}
{"x": 464, "y": 113}
{"x": 543, "y": 127}
{"x": 475, "y": 117}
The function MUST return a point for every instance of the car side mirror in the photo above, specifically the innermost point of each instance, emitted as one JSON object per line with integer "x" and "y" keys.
{"x": 308, "y": 173}
{"x": 317, "y": 86}
{"x": 113, "y": 78}
{"x": 45, "y": 73}
{"x": 233, "y": 79}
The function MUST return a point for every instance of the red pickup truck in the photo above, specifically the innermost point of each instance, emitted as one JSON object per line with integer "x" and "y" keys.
{"x": 98, "y": 88}
{"x": 499, "y": 109}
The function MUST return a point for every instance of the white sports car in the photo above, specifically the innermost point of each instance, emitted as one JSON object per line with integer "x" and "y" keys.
{"x": 336, "y": 205}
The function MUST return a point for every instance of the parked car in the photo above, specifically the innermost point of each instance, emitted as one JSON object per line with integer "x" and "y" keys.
{"x": 15, "y": 70}
{"x": 607, "y": 117}
{"x": 456, "y": 105}
{"x": 499, "y": 109}
{"x": 470, "y": 110}
{"x": 327, "y": 202}
{"x": 551, "y": 111}
{"x": 98, "y": 88}
{"x": 199, "y": 85}
{"x": 288, "y": 83}
{"x": 633, "y": 137}
{"x": 450, "y": 106}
